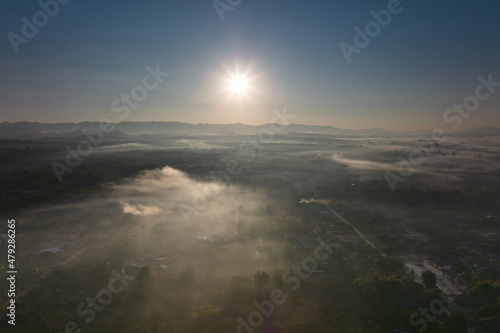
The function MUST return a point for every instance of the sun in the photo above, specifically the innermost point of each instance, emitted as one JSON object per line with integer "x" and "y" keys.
{"x": 238, "y": 85}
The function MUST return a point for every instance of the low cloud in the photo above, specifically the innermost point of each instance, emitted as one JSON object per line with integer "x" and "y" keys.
{"x": 140, "y": 209}
{"x": 150, "y": 198}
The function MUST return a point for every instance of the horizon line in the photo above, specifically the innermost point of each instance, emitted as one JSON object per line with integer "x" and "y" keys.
{"x": 253, "y": 125}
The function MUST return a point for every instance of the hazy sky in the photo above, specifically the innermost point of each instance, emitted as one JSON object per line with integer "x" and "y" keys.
{"x": 91, "y": 52}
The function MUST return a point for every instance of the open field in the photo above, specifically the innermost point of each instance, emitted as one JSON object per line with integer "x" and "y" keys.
{"x": 161, "y": 203}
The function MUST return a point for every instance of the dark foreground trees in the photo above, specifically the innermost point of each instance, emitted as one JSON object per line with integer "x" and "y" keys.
{"x": 429, "y": 279}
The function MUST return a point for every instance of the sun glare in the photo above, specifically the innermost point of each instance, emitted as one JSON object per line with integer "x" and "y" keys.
{"x": 238, "y": 85}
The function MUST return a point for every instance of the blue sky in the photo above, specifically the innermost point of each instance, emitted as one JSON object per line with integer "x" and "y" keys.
{"x": 427, "y": 58}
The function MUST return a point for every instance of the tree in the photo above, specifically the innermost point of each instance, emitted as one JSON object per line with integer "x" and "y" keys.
{"x": 239, "y": 293}
{"x": 143, "y": 284}
{"x": 261, "y": 283}
{"x": 455, "y": 324}
{"x": 429, "y": 279}
{"x": 144, "y": 277}
{"x": 487, "y": 289}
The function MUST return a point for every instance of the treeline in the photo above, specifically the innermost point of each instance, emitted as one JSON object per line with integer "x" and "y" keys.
{"x": 355, "y": 291}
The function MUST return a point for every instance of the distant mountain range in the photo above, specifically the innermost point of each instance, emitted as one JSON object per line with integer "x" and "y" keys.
{"x": 33, "y": 130}
{"x": 472, "y": 132}
{"x": 484, "y": 131}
